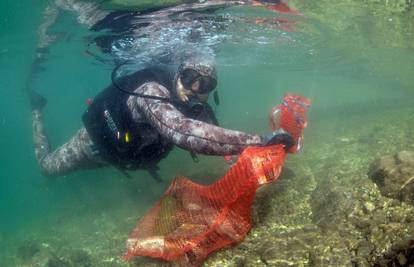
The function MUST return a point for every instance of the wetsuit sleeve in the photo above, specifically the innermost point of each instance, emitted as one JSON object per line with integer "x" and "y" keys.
{"x": 189, "y": 134}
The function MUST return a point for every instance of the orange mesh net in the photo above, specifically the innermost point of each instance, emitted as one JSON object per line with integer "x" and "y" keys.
{"x": 191, "y": 220}
{"x": 291, "y": 116}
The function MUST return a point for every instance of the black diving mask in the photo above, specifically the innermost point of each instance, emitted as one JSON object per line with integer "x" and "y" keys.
{"x": 189, "y": 77}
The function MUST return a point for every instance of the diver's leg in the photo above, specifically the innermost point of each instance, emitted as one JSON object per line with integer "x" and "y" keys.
{"x": 73, "y": 155}
{"x": 87, "y": 12}
{"x": 41, "y": 144}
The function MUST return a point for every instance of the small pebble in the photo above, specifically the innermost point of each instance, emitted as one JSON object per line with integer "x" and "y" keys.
{"x": 369, "y": 206}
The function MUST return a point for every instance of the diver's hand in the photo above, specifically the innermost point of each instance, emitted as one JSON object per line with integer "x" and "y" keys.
{"x": 184, "y": 95}
{"x": 279, "y": 136}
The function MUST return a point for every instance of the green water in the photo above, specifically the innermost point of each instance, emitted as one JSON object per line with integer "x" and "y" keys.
{"x": 355, "y": 64}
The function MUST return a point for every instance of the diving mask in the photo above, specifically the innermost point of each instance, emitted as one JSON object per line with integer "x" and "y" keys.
{"x": 206, "y": 83}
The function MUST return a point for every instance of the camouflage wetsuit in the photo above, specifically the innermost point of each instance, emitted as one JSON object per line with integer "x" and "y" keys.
{"x": 167, "y": 121}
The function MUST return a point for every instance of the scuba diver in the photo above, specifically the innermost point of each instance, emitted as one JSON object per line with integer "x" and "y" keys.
{"x": 135, "y": 122}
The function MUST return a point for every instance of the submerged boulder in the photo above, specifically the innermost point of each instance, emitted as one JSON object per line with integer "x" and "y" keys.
{"x": 331, "y": 203}
{"x": 394, "y": 175}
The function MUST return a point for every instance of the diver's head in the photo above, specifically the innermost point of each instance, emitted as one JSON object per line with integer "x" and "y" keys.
{"x": 196, "y": 78}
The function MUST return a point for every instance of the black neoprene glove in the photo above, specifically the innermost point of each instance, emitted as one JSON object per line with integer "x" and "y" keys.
{"x": 279, "y": 136}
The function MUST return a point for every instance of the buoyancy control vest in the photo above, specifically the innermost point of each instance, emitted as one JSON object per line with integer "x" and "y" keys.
{"x": 120, "y": 140}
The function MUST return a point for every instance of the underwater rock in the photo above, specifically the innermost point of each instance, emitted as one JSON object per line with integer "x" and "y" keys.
{"x": 331, "y": 203}
{"x": 239, "y": 261}
{"x": 58, "y": 262}
{"x": 394, "y": 175}
{"x": 264, "y": 206}
{"x": 400, "y": 254}
{"x": 350, "y": 224}
{"x": 28, "y": 250}
{"x": 303, "y": 245}
{"x": 365, "y": 248}
{"x": 283, "y": 252}
{"x": 398, "y": 5}
{"x": 81, "y": 258}
{"x": 148, "y": 262}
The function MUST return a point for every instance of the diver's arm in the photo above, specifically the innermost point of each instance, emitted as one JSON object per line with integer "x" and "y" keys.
{"x": 192, "y": 135}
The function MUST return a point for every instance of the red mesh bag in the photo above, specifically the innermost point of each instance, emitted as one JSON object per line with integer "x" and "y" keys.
{"x": 291, "y": 117}
{"x": 190, "y": 221}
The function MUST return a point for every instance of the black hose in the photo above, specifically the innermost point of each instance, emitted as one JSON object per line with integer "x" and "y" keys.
{"x": 119, "y": 87}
